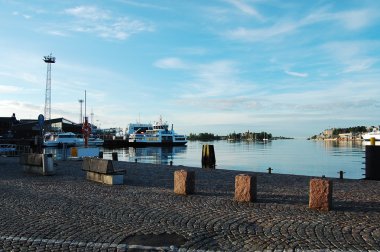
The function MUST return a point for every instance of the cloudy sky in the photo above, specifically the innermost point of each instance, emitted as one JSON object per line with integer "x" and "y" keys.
{"x": 292, "y": 68}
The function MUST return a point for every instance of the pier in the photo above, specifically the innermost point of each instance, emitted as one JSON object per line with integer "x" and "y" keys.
{"x": 67, "y": 212}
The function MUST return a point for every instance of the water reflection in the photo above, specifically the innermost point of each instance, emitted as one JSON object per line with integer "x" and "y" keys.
{"x": 313, "y": 158}
{"x": 155, "y": 155}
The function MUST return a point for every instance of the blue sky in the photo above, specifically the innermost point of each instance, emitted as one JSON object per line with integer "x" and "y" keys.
{"x": 292, "y": 68}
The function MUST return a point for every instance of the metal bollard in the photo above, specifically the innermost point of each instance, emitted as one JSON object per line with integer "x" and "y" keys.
{"x": 114, "y": 156}
{"x": 171, "y": 163}
{"x": 135, "y": 160}
{"x": 208, "y": 156}
{"x": 100, "y": 154}
{"x": 372, "y": 141}
{"x": 270, "y": 170}
{"x": 48, "y": 164}
{"x": 341, "y": 174}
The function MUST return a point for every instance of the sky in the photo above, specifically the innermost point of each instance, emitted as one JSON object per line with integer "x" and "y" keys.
{"x": 291, "y": 68}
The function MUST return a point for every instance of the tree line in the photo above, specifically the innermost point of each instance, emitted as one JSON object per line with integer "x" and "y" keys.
{"x": 232, "y": 136}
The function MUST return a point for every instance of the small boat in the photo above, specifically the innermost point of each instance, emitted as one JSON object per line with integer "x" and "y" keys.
{"x": 68, "y": 138}
{"x": 157, "y": 134}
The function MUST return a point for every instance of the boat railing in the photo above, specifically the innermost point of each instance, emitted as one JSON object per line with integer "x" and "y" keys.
{"x": 12, "y": 150}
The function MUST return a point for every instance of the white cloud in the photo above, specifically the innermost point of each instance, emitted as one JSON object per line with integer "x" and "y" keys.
{"x": 88, "y": 12}
{"x": 359, "y": 65}
{"x": 6, "y": 89}
{"x": 170, "y": 63}
{"x": 350, "y": 20}
{"x": 245, "y": 8}
{"x": 296, "y": 74}
{"x": 253, "y": 35}
{"x": 57, "y": 33}
{"x": 103, "y": 23}
{"x": 352, "y": 56}
{"x": 357, "y": 19}
{"x": 144, "y": 5}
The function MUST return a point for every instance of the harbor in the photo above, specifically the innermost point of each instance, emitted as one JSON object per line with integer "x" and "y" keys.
{"x": 67, "y": 212}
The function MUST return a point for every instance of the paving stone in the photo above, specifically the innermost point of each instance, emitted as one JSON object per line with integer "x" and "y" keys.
{"x": 66, "y": 212}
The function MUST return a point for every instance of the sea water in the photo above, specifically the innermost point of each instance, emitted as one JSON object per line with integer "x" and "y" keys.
{"x": 295, "y": 156}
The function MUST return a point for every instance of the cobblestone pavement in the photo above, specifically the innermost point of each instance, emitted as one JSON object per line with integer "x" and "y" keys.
{"x": 66, "y": 212}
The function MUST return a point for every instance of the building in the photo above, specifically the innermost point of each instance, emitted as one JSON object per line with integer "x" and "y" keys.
{"x": 10, "y": 127}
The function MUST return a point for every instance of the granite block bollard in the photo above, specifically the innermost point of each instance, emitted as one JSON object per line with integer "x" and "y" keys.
{"x": 38, "y": 163}
{"x": 184, "y": 182}
{"x": 320, "y": 195}
{"x": 102, "y": 171}
{"x": 245, "y": 188}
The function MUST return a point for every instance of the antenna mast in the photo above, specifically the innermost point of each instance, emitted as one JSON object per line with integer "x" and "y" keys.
{"x": 81, "y": 117}
{"x": 48, "y": 60}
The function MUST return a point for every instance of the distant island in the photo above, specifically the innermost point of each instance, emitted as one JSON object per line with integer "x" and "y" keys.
{"x": 246, "y": 136}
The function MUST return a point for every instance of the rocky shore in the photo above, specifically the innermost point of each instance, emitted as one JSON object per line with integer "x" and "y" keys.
{"x": 65, "y": 212}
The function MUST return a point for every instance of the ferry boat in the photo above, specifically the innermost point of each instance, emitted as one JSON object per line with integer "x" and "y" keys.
{"x": 157, "y": 134}
{"x": 375, "y": 133}
{"x": 70, "y": 139}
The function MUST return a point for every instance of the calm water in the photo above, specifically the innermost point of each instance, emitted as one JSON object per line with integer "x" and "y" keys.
{"x": 299, "y": 157}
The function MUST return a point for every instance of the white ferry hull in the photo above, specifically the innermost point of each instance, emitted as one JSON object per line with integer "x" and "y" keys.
{"x": 368, "y": 136}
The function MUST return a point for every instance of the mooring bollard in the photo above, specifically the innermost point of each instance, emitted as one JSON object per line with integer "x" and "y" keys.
{"x": 114, "y": 156}
{"x": 372, "y": 141}
{"x": 184, "y": 182}
{"x": 270, "y": 170}
{"x": 341, "y": 174}
{"x": 208, "y": 156}
{"x": 372, "y": 162}
{"x": 100, "y": 154}
{"x": 245, "y": 188}
{"x": 48, "y": 164}
{"x": 320, "y": 195}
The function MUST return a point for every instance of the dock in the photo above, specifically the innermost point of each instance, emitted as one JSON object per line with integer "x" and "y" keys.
{"x": 67, "y": 212}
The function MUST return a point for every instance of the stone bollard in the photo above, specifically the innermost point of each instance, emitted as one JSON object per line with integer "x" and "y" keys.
{"x": 114, "y": 156}
{"x": 184, "y": 182}
{"x": 320, "y": 196}
{"x": 245, "y": 188}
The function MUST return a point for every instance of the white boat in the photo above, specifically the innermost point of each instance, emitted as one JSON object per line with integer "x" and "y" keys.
{"x": 157, "y": 134}
{"x": 375, "y": 133}
{"x": 70, "y": 139}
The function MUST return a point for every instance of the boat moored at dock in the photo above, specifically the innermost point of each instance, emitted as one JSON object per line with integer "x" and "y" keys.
{"x": 373, "y": 134}
{"x": 157, "y": 134}
{"x": 69, "y": 139}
